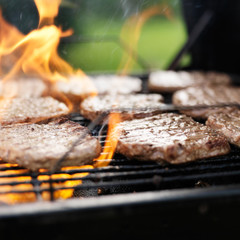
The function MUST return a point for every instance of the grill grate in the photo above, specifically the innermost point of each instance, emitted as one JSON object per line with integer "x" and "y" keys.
{"x": 121, "y": 176}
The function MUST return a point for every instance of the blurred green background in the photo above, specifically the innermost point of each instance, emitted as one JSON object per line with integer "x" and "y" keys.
{"x": 97, "y": 26}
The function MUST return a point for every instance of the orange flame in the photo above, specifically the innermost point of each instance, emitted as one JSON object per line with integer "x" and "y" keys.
{"x": 12, "y": 198}
{"x": 35, "y": 53}
{"x": 23, "y": 184}
{"x": 73, "y": 182}
{"x": 111, "y": 141}
{"x": 48, "y": 10}
{"x": 132, "y": 31}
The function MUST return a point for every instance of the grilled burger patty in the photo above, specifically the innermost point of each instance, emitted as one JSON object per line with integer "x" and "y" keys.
{"x": 79, "y": 88}
{"x": 93, "y": 107}
{"x": 171, "y": 81}
{"x": 37, "y": 146}
{"x": 20, "y": 110}
{"x": 169, "y": 137}
{"x": 228, "y": 124}
{"x": 113, "y": 84}
{"x": 206, "y": 95}
{"x": 214, "y": 78}
{"x": 75, "y": 89}
{"x": 23, "y": 87}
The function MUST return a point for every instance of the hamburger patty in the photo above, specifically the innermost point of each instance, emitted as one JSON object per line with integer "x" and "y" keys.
{"x": 37, "y": 146}
{"x": 75, "y": 89}
{"x": 79, "y": 88}
{"x": 228, "y": 124}
{"x": 169, "y": 137}
{"x": 214, "y": 78}
{"x": 23, "y": 87}
{"x": 206, "y": 95}
{"x": 113, "y": 84}
{"x": 93, "y": 107}
{"x": 20, "y": 110}
{"x": 171, "y": 81}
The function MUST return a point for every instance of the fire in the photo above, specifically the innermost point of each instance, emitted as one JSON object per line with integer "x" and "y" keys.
{"x": 132, "y": 32}
{"x": 12, "y": 198}
{"x": 71, "y": 182}
{"x": 48, "y": 10}
{"x": 35, "y": 53}
{"x": 111, "y": 141}
{"x": 23, "y": 185}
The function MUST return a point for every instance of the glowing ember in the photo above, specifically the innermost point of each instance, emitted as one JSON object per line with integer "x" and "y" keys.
{"x": 72, "y": 180}
{"x": 19, "y": 184}
{"x": 22, "y": 189}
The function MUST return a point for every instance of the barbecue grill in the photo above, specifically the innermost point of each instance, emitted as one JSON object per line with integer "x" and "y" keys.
{"x": 127, "y": 198}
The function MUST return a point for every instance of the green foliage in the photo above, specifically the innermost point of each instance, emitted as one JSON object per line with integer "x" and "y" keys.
{"x": 159, "y": 42}
{"x": 100, "y": 23}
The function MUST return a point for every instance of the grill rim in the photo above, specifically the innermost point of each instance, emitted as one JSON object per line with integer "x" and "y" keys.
{"x": 170, "y": 197}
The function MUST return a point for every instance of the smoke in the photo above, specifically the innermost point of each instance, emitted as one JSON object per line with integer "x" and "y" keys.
{"x": 133, "y": 7}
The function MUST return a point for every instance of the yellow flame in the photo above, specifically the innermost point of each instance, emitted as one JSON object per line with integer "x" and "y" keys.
{"x": 73, "y": 182}
{"x": 35, "y": 53}
{"x": 14, "y": 198}
{"x": 111, "y": 141}
{"x": 48, "y": 10}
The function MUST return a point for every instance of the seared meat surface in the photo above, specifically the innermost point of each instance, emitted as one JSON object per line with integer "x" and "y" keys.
{"x": 23, "y": 87}
{"x": 206, "y": 95}
{"x": 20, "y": 110}
{"x": 75, "y": 89}
{"x": 37, "y": 146}
{"x": 171, "y": 81}
{"x": 93, "y": 107}
{"x": 113, "y": 84}
{"x": 227, "y": 124}
{"x": 169, "y": 137}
